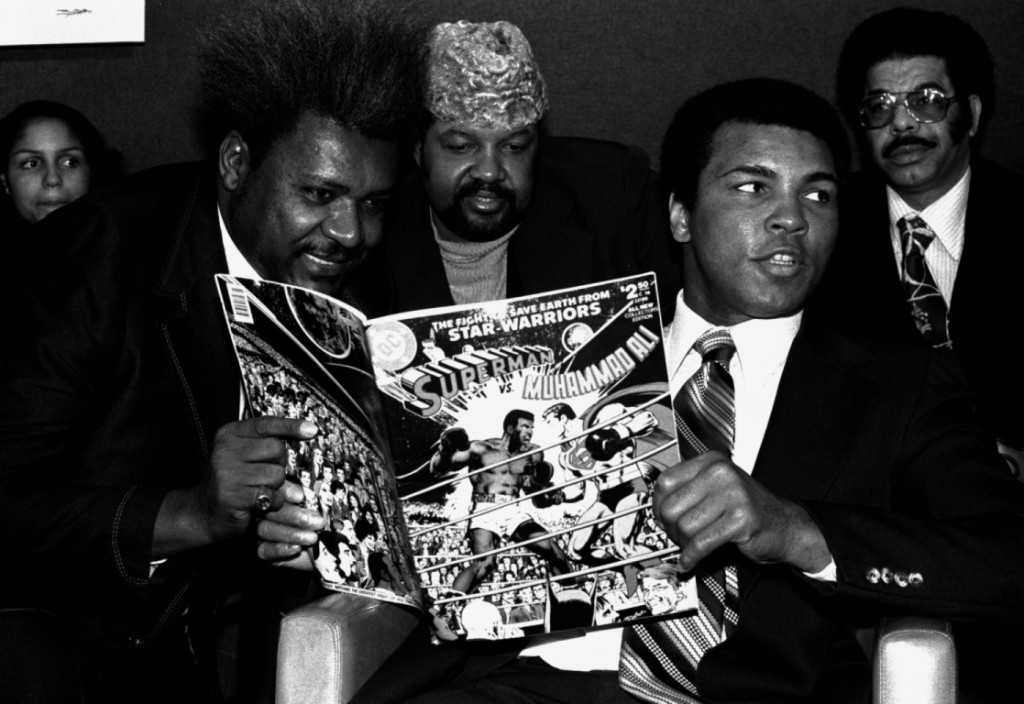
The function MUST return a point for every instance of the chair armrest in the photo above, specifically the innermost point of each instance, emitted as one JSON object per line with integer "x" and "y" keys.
{"x": 915, "y": 661}
{"x": 330, "y": 647}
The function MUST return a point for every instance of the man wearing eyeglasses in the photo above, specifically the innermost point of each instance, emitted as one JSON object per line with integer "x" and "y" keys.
{"x": 930, "y": 242}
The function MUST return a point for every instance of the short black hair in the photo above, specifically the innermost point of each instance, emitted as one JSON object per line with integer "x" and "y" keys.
{"x": 907, "y": 32}
{"x": 686, "y": 148}
{"x": 512, "y": 417}
{"x": 104, "y": 164}
{"x": 360, "y": 63}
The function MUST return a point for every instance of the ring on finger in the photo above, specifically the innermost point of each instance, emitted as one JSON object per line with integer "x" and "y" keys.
{"x": 263, "y": 500}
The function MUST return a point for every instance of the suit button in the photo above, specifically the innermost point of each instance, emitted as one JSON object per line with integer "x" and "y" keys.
{"x": 916, "y": 579}
{"x": 901, "y": 579}
{"x": 872, "y": 575}
{"x": 886, "y": 575}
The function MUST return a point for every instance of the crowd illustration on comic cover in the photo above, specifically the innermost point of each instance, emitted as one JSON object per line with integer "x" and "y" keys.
{"x": 304, "y": 356}
{"x": 523, "y": 434}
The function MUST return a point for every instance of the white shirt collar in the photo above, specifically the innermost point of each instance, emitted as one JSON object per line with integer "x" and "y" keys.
{"x": 238, "y": 265}
{"x": 761, "y": 344}
{"x": 946, "y": 216}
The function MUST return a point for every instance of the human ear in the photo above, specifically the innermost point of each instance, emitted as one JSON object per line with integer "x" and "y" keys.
{"x": 679, "y": 220}
{"x": 233, "y": 162}
{"x": 975, "y": 102}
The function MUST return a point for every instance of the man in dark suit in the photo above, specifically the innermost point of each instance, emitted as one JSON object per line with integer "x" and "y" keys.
{"x": 126, "y": 475}
{"x": 916, "y": 84}
{"x": 856, "y": 483}
{"x": 500, "y": 210}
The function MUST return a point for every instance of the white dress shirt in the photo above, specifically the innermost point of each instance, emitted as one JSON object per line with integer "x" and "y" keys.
{"x": 238, "y": 265}
{"x": 946, "y": 217}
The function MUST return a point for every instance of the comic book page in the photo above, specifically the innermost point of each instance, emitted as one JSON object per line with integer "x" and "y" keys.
{"x": 525, "y": 435}
{"x": 305, "y": 355}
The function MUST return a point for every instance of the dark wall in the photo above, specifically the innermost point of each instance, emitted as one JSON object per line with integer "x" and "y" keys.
{"x": 616, "y": 69}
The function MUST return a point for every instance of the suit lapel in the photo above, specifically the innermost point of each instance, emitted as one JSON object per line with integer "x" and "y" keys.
{"x": 871, "y": 269}
{"x": 190, "y": 315}
{"x": 882, "y": 280}
{"x": 799, "y": 457}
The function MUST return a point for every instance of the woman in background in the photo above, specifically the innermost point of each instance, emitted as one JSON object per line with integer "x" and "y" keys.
{"x": 52, "y": 154}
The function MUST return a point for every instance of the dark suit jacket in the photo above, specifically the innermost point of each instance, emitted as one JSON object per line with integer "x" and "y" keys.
{"x": 861, "y": 292}
{"x": 880, "y": 445}
{"x": 594, "y": 214}
{"x": 124, "y": 372}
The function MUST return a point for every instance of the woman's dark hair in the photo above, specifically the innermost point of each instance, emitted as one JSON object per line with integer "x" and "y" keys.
{"x": 104, "y": 164}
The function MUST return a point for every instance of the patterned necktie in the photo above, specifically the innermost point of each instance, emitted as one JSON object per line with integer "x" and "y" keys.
{"x": 659, "y": 660}
{"x": 927, "y": 306}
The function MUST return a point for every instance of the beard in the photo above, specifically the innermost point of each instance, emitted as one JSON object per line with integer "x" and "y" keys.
{"x": 480, "y": 227}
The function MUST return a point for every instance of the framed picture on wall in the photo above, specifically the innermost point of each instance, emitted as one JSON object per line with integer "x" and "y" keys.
{"x": 27, "y": 22}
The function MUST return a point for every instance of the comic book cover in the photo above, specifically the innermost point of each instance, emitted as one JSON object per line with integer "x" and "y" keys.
{"x": 525, "y": 435}
{"x": 305, "y": 355}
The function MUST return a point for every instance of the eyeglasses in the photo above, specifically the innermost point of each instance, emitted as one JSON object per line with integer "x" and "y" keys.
{"x": 925, "y": 105}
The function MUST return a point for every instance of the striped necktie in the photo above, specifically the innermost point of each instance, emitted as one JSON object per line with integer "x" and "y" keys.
{"x": 659, "y": 660}
{"x": 927, "y": 307}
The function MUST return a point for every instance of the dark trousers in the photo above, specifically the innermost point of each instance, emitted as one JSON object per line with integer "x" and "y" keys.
{"x": 43, "y": 661}
{"x": 482, "y": 673}
{"x": 529, "y": 681}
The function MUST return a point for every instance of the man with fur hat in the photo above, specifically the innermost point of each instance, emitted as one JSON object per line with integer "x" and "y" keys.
{"x": 501, "y": 210}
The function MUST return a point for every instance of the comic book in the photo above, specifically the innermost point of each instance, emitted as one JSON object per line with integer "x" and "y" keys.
{"x": 490, "y": 463}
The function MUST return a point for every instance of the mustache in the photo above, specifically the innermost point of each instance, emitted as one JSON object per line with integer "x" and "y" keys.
{"x": 475, "y": 187}
{"x": 907, "y": 141}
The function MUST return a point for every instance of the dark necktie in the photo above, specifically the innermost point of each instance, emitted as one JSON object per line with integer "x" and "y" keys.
{"x": 659, "y": 660}
{"x": 927, "y": 306}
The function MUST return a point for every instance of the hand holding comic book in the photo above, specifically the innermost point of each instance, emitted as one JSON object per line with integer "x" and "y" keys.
{"x": 285, "y": 532}
{"x": 247, "y": 461}
{"x": 707, "y": 502}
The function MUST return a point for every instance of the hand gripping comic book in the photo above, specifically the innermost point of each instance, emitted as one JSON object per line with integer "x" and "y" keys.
{"x": 489, "y": 463}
